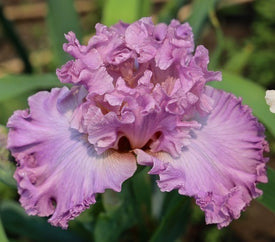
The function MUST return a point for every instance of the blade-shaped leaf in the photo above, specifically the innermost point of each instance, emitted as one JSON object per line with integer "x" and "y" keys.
{"x": 16, "y": 221}
{"x": 15, "y": 40}
{"x": 170, "y": 10}
{"x": 13, "y": 85}
{"x": 127, "y": 11}
{"x": 8, "y": 106}
{"x": 119, "y": 215}
{"x": 200, "y": 11}
{"x": 62, "y": 18}
{"x": 6, "y": 173}
{"x": 142, "y": 191}
{"x": 268, "y": 197}
{"x": 238, "y": 61}
{"x": 6, "y": 167}
{"x": 144, "y": 8}
{"x": 174, "y": 222}
{"x": 3, "y": 237}
{"x": 141, "y": 187}
{"x": 252, "y": 94}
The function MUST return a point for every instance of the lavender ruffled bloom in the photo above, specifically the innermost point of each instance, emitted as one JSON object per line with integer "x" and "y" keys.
{"x": 139, "y": 96}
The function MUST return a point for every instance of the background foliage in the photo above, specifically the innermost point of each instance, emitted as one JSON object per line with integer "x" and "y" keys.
{"x": 240, "y": 36}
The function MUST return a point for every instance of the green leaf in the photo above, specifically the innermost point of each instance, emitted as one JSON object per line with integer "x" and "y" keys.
{"x": 170, "y": 10}
{"x": 213, "y": 234}
{"x": 127, "y": 11}
{"x": 141, "y": 188}
{"x": 144, "y": 9}
{"x": 13, "y": 85}
{"x": 200, "y": 12}
{"x": 17, "y": 222}
{"x": 220, "y": 39}
{"x": 238, "y": 61}
{"x": 174, "y": 222}
{"x": 15, "y": 40}
{"x": 268, "y": 197}
{"x": 3, "y": 237}
{"x": 6, "y": 173}
{"x": 111, "y": 201}
{"x": 21, "y": 87}
{"x": 117, "y": 218}
{"x": 252, "y": 94}
{"x": 62, "y": 18}
{"x": 6, "y": 167}
{"x": 84, "y": 223}
{"x": 130, "y": 207}
{"x": 111, "y": 225}
{"x": 8, "y": 106}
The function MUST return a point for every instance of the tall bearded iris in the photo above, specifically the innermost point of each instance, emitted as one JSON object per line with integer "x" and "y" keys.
{"x": 138, "y": 97}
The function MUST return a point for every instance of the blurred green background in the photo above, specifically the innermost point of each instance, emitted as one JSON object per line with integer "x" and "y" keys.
{"x": 240, "y": 36}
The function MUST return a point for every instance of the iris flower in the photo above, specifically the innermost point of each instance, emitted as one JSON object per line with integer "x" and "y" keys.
{"x": 138, "y": 97}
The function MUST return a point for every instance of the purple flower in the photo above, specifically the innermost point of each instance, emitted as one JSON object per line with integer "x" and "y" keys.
{"x": 139, "y": 96}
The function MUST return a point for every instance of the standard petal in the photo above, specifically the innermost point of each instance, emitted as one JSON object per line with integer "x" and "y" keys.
{"x": 222, "y": 163}
{"x": 59, "y": 172}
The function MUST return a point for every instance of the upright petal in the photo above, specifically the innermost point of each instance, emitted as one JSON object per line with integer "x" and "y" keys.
{"x": 59, "y": 173}
{"x": 221, "y": 165}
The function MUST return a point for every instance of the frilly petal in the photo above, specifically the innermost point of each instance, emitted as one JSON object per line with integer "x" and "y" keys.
{"x": 200, "y": 61}
{"x": 95, "y": 81}
{"x": 222, "y": 163}
{"x": 59, "y": 173}
{"x": 177, "y": 46}
{"x": 135, "y": 113}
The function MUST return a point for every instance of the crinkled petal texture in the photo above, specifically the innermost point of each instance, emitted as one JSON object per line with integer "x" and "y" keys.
{"x": 59, "y": 172}
{"x": 137, "y": 87}
{"x": 145, "y": 84}
{"x": 221, "y": 165}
